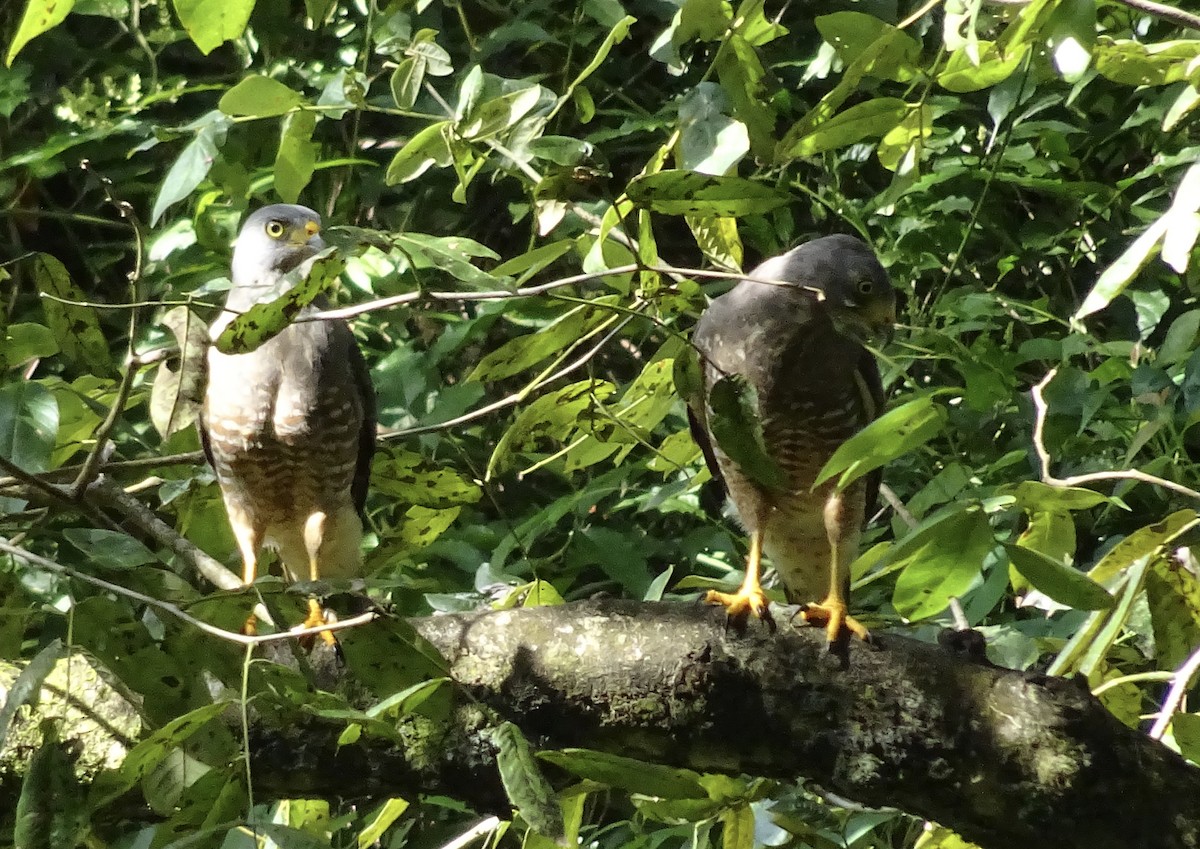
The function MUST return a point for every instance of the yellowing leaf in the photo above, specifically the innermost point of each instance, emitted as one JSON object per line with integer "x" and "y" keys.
{"x": 40, "y": 16}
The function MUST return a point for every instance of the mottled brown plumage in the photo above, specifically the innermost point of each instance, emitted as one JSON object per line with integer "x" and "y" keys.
{"x": 800, "y": 346}
{"x": 289, "y": 427}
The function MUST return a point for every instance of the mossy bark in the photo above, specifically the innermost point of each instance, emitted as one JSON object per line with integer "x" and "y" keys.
{"x": 1004, "y": 758}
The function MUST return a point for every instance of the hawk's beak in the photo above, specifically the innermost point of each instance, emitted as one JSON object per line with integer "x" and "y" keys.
{"x": 882, "y": 319}
{"x": 310, "y": 235}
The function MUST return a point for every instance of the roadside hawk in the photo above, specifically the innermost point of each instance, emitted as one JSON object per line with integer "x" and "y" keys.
{"x": 289, "y": 427}
{"x": 798, "y": 343}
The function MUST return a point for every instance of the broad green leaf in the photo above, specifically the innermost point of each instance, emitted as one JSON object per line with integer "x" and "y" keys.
{"x": 965, "y": 72}
{"x": 861, "y": 121}
{"x": 736, "y": 427}
{"x": 50, "y": 811}
{"x": 74, "y": 323}
{"x": 406, "y": 81}
{"x": 1173, "y": 594}
{"x": 629, "y": 774}
{"x": 40, "y": 16}
{"x": 28, "y": 424}
{"x": 264, "y": 321}
{"x": 193, "y": 164}
{"x": 892, "y": 435}
{"x": 689, "y": 193}
{"x": 853, "y": 34}
{"x": 524, "y": 783}
{"x": 1035, "y": 495}
{"x": 297, "y": 155}
{"x": 423, "y": 525}
{"x": 149, "y": 753}
{"x": 1185, "y": 728}
{"x": 718, "y": 238}
{"x": 553, "y": 417}
{"x": 429, "y": 147}
{"x": 1142, "y": 542}
{"x": 1064, "y": 584}
{"x": 411, "y": 479}
{"x": 26, "y": 689}
{"x": 407, "y": 700}
{"x": 110, "y": 549}
{"x": 380, "y": 821}
{"x": 940, "y": 561}
{"x": 895, "y": 150}
{"x": 259, "y": 97}
{"x": 524, "y": 352}
{"x": 25, "y": 341}
{"x": 737, "y": 827}
{"x": 210, "y": 23}
{"x": 451, "y": 254}
{"x": 1133, "y": 63}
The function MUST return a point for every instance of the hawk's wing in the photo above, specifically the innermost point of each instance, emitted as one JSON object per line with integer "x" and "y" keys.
{"x": 872, "y": 383}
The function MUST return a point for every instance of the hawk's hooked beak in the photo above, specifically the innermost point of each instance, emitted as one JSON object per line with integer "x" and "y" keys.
{"x": 310, "y": 235}
{"x": 881, "y": 317}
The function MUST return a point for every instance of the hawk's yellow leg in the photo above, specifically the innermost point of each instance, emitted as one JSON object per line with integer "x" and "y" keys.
{"x": 249, "y": 540}
{"x": 749, "y": 599}
{"x": 831, "y": 611}
{"x": 314, "y": 535}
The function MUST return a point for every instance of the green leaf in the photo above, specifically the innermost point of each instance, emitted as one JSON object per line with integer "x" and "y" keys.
{"x": 1143, "y": 542}
{"x": 1185, "y": 728}
{"x": 210, "y": 23}
{"x": 1062, "y": 583}
{"x": 406, "y": 81}
{"x": 25, "y": 341}
{"x": 892, "y": 435}
{"x": 939, "y": 561}
{"x": 193, "y": 164}
{"x": 263, "y": 321}
{"x": 861, "y": 121}
{"x": 178, "y": 389}
{"x": 28, "y": 424}
{"x": 524, "y": 783}
{"x": 40, "y": 16}
{"x": 407, "y": 700}
{"x": 979, "y": 66}
{"x": 1173, "y": 594}
{"x": 629, "y": 774}
{"x": 524, "y": 352}
{"x": 259, "y": 97}
{"x": 411, "y": 479}
{"x": 555, "y": 416}
{"x": 855, "y": 34}
{"x": 297, "y": 155}
{"x": 451, "y": 254}
{"x": 429, "y": 147}
{"x": 615, "y": 36}
{"x": 149, "y": 753}
{"x": 27, "y": 687}
{"x": 50, "y": 812}
{"x": 110, "y": 549}
{"x": 737, "y": 827}
{"x": 689, "y": 193}
{"x": 736, "y": 427}
{"x": 380, "y": 821}
{"x": 75, "y": 325}
{"x": 1133, "y": 63}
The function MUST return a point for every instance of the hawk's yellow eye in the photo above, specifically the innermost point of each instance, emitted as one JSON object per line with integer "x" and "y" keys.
{"x": 865, "y": 287}
{"x": 276, "y": 229}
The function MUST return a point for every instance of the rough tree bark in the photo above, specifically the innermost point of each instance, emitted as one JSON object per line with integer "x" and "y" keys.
{"x": 1004, "y": 758}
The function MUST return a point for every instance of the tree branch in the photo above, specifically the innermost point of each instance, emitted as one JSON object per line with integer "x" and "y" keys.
{"x": 1005, "y": 758}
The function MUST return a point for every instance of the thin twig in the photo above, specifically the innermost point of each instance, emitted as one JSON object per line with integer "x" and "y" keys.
{"x": 166, "y": 606}
{"x": 1039, "y": 446}
{"x": 1181, "y": 682}
{"x": 187, "y": 458}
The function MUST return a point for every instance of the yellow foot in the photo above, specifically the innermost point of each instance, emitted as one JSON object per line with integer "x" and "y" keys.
{"x": 738, "y": 606}
{"x": 250, "y": 626}
{"x": 838, "y": 623}
{"x": 316, "y": 618}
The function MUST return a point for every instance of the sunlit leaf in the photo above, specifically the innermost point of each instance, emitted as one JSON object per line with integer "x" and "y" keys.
{"x": 1064, "y": 584}
{"x": 259, "y": 97}
{"x": 629, "y": 774}
{"x": 39, "y": 17}
{"x": 940, "y": 561}
{"x": 892, "y": 435}
{"x": 210, "y": 23}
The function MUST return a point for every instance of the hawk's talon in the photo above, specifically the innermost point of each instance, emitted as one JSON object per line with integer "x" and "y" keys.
{"x": 741, "y": 605}
{"x": 838, "y": 624}
{"x": 316, "y": 618}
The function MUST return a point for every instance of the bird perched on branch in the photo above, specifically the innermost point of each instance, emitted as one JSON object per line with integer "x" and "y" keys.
{"x": 799, "y": 344}
{"x": 289, "y": 427}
